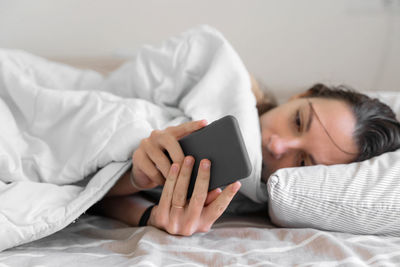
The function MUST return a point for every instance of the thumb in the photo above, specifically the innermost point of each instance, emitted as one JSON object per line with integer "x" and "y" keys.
{"x": 188, "y": 128}
{"x": 212, "y": 195}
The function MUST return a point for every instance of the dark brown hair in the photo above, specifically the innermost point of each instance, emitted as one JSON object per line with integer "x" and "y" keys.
{"x": 377, "y": 130}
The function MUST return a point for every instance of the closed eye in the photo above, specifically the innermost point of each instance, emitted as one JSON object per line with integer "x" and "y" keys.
{"x": 298, "y": 123}
{"x": 297, "y": 120}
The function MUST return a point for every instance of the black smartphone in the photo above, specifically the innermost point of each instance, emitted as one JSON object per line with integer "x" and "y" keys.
{"x": 222, "y": 143}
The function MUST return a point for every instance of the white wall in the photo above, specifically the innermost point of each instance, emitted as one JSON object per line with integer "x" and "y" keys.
{"x": 289, "y": 45}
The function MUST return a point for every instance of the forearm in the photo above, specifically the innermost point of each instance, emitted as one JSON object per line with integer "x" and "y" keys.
{"x": 123, "y": 186}
{"x": 127, "y": 209}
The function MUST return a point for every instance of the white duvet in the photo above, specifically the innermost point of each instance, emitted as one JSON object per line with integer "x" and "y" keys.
{"x": 60, "y": 125}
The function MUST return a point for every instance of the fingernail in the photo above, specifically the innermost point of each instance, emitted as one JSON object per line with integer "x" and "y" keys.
{"x": 188, "y": 160}
{"x": 205, "y": 165}
{"x": 203, "y": 122}
{"x": 174, "y": 168}
{"x": 236, "y": 186}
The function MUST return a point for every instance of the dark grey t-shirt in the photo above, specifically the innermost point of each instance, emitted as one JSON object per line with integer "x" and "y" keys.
{"x": 239, "y": 205}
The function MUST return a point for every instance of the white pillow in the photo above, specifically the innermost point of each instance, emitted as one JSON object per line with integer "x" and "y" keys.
{"x": 360, "y": 198}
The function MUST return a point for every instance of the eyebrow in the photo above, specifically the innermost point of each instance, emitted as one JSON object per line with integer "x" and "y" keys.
{"x": 309, "y": 121}
{"x": 310, "y": 117}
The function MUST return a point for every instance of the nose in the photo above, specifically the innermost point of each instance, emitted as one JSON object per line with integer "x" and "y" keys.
{"x": 279, "y": 146}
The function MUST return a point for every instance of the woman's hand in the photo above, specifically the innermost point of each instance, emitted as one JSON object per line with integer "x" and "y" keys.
{"x": 150, "y": 163}
{"x": 176, "y": 215}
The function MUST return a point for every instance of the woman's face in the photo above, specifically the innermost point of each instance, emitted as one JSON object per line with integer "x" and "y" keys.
{"x": 307, "y": 131}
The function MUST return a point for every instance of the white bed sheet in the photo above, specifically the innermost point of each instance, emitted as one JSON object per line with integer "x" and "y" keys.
{"x": 233, "y": 241}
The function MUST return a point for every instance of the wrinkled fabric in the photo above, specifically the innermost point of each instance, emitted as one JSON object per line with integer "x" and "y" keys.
{"x": 60, "y": 125}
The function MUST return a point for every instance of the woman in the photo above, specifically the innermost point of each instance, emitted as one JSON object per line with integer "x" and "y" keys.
{"x": 323, "y": 125}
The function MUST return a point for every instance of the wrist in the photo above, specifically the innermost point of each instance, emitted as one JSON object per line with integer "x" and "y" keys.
{"x": 151, "y": 221}
{"x": 123, "y": 186}
{"x": 144, "y": 219}
{"x": 133, "y": 183}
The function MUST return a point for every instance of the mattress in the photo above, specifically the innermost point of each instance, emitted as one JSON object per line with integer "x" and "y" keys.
{"x": 233, "y": 241}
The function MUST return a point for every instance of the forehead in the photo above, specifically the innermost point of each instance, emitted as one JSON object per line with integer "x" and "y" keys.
{"x": 331, "y": 130}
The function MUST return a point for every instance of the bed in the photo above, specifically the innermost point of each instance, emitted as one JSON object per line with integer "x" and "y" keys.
{"x": 233, "y": 241}
{"x": 249, "y": 240}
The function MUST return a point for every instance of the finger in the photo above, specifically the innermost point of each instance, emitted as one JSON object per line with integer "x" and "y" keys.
{"x": 168, "y": 190}
{"x": 182, "y": 184}
{"x": 186, "y": 128}
{"x": 215, "y": 209}
{"x": 149, "y": 169}
{"x": 200, "y": 190}
{"x": 172, "y": 146}
{"x": 158, "y": 157}
{"x": 212, "y": 195}
{"x": 146, "y": 183}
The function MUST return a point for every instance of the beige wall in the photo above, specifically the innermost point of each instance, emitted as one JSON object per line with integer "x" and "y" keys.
{"x": 289, "y": 45}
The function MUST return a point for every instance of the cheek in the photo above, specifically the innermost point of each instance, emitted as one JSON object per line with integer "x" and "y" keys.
{"x": 272, "y": 123}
